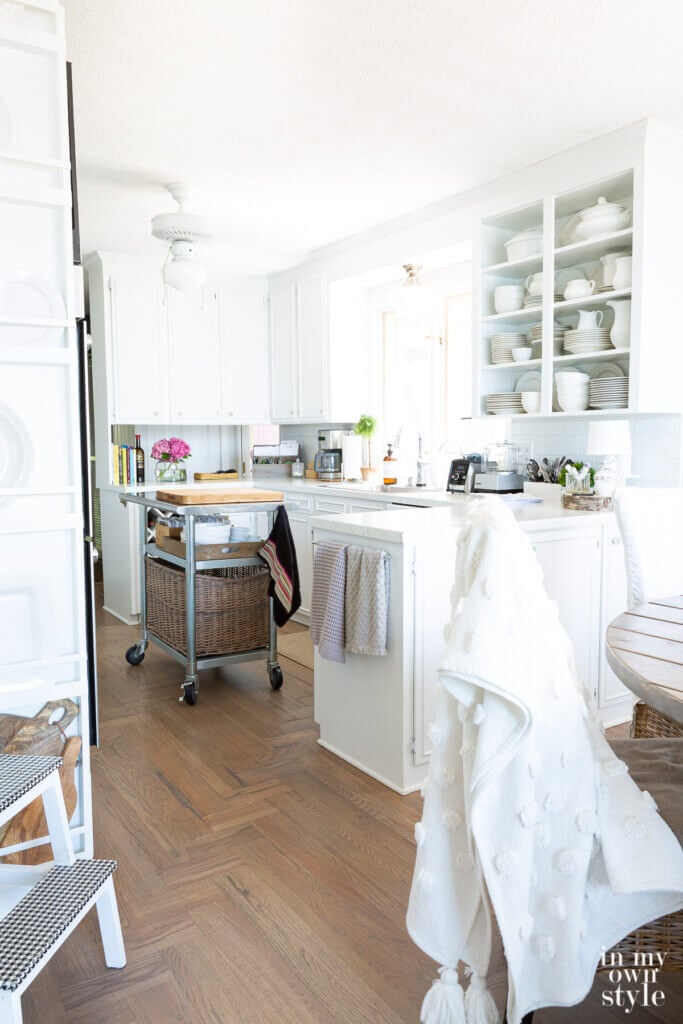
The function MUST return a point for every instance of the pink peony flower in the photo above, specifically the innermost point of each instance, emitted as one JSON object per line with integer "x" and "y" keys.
{"x": 171, "y": 449}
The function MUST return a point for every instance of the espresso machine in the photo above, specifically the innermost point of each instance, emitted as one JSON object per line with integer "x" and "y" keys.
{"x": 328, "y": 459}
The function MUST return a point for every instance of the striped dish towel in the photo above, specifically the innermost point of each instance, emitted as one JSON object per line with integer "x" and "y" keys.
{"x": 367, "y": 600}
{"x": 327, "y": 603}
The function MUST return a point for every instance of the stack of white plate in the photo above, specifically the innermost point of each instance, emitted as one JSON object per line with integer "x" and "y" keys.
{"x": 608, "y": 393}
{"x": 530, "y": 301}
{"x": 594, "y": 339}
{"x": 504, "y": 403}
{"x": 536, "y": 333}
{"x": 502, "y": 345}
{"x": 572, "y": 390}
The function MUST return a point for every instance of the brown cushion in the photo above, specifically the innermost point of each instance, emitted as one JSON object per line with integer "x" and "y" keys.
{"x": 657, "y": 766}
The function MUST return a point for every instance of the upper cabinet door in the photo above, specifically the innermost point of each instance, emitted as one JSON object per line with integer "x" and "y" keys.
{"x": 283, "y": 390}
{"x": 312, "y": 348}
{"x": 193, "y": 350}
{"x": 138, "y": 352}
{"x": 245, "y": 368}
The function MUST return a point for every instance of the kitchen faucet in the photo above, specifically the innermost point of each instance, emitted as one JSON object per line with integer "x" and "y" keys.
{"x": 421, "y": 464}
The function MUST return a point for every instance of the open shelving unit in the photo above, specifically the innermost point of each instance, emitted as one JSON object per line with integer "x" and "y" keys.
{"x": 559, "y": 252}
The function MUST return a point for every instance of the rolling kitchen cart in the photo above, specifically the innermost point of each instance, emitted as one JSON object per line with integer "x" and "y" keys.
{"x": 156, "y": 563}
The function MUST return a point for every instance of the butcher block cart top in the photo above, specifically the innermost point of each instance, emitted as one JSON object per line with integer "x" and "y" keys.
{"x": 205, "y": 608}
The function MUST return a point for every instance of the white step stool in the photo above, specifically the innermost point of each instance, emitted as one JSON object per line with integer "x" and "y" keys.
{"x": 61, "y": 893}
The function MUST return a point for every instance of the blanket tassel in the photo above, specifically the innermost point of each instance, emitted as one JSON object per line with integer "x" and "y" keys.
{"x": 479, "y": 1005}
{"x": 445, "y": 1001}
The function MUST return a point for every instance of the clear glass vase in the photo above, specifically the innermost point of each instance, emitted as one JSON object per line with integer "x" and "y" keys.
{"x": 169, "y": 472}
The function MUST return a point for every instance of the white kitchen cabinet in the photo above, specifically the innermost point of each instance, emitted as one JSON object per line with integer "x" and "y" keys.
{"x": 311, "y": 348}
{"x": 301, "y": 532}
{"x": 244, "y": 352}
{"x": 613, "y": 697}
{"x": 137, "y": 350}
{"x": 298, "y": 351}
{"x": 284, "y": 400}
{"x": 193, "y": 357}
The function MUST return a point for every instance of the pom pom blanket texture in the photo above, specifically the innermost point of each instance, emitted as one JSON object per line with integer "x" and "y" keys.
{"x": 526, "y": 808}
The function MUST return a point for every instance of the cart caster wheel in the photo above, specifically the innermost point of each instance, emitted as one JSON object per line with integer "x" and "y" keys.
{"x": 276, "y": 678}
{"x": 190, "y": 693}
{"x": 134, "y": 655}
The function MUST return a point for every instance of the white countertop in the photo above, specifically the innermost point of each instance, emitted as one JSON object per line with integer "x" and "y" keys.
{"x": 403, "y": 525}
{"x": 440, "y": 512}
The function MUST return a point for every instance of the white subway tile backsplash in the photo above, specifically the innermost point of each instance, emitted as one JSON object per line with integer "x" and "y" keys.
{"x": 656, "y": 441}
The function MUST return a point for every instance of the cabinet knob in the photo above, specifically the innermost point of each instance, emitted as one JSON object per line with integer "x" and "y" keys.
{"x": 231, "y": 414}
{"x": 180, "y": 412}
{"x": 155, "y": 413}
{"x": 616, "y": 540}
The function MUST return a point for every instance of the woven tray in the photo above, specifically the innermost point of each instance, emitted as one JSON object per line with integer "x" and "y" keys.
{"x": 231, "y": 607}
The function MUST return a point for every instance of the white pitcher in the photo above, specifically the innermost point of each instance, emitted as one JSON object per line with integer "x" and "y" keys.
{"x": 589, "y": 319}
{"x": 622, "y": 275}
{"x": 620, "y": 333}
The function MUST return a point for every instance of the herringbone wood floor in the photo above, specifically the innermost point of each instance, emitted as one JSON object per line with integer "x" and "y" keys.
{"x": 261, "y": 880}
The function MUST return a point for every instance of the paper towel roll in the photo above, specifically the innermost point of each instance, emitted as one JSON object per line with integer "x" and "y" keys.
{"x": 352, "y": 456}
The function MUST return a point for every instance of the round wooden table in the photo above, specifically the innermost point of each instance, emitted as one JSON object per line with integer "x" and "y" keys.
{"x": 645, "y": 650}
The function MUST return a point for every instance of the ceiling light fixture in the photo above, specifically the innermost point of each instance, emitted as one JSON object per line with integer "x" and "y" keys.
{"x": 181, "y": 230}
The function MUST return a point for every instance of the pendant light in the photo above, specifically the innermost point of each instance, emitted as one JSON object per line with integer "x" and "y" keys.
{"x": 181, "y": 230}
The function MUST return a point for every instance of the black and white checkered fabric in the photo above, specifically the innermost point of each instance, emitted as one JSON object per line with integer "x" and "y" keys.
{"x": 37, "y": 922}
{"x": 20, "y": 772}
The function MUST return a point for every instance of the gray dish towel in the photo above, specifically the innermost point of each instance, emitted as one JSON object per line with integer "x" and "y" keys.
{"x": 327, "y": 603}
{"x": 367, "y": 600}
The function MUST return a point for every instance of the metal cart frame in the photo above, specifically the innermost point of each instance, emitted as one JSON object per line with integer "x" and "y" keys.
{"x": 193, "y": 664}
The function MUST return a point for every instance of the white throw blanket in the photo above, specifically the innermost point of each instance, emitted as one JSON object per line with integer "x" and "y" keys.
{"x": 328, "y": 631}
{"x": 525, "y": 800}
{"x": 367, "y": 600}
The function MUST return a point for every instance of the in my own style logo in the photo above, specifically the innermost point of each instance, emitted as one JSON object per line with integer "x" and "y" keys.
{"x": 633, "y": 979}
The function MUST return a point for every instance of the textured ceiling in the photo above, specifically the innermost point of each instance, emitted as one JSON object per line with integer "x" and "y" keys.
{"x": 299, "y": 122}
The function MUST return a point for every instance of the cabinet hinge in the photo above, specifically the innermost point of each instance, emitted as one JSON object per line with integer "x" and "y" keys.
{"x": 109, "y": 283}
{"x": 412, "y": 746}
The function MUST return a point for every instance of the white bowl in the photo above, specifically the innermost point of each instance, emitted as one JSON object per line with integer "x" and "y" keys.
{"x": 572, "y": 404}
{"x": 508, "y": 297}
{"x": 531, "y": 401}
{"x": 520, "y": 355}
{"x": 567, "y": 377}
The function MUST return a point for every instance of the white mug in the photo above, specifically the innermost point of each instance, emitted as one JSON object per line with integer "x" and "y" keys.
{"x": 579, "y": 289}
{"x": 589, "y": 319}
{"x": 534, "y": 284}
{"x": 508, "y": 297}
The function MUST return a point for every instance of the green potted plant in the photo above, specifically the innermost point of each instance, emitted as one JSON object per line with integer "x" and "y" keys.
{"x": 365, "y": 428}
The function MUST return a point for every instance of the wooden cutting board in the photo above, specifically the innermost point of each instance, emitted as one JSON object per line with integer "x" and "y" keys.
{"x": 217, "y": 476}
{"x": 233, "y": 496}
{"x": 30, "y": 823}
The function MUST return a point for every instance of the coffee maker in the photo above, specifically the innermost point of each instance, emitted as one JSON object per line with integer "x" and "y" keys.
{"x": 328, "y": 459}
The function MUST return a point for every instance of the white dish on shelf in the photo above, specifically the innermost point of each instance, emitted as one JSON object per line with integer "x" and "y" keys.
{"x": 607, "y": 370}
{"x": 531, "y": 401}
{"x": 33, "y": 298}
{"x": 529, "y": 381}
{"x": 522, "y": 354}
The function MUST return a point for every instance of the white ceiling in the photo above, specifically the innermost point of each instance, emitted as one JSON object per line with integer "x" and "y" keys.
{"x": 300, "y": 122}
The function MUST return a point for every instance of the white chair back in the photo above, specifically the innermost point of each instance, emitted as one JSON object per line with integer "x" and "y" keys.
{"x": 651, "y": 524}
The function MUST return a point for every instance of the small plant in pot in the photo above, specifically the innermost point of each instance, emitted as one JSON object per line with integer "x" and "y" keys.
{"x": 366, "y": 427}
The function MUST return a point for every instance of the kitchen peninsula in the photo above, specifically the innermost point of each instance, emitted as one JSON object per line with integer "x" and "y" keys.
{"x": 375, "y": 712}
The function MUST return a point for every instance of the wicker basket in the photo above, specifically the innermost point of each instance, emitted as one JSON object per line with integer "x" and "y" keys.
{"x": 231, "y": 607}
{"x": 662, "y": 936}
{"x": 647, "y": 722}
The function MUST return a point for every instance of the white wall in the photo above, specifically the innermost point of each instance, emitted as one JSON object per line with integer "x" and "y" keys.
{"x": 212, "y": 448}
